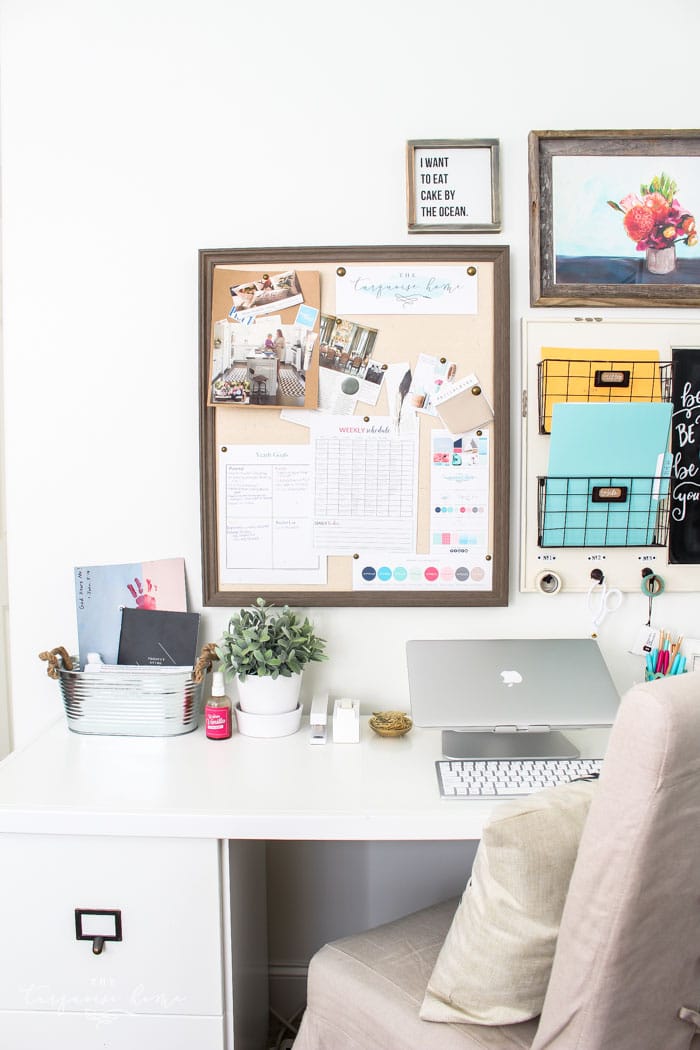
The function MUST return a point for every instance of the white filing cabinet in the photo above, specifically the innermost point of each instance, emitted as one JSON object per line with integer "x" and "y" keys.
{"x": 161, "y": 985}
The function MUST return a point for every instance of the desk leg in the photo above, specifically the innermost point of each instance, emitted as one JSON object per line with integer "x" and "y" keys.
{"x": 244, "y": 914}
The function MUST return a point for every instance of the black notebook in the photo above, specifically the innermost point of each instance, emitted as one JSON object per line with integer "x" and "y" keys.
{"x": 155, "y": 638}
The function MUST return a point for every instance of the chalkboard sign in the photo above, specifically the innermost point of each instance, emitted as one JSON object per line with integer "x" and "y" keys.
{"x": 684, "y": 535}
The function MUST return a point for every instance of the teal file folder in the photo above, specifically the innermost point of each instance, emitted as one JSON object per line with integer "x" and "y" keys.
{"x": 604, "y": 477}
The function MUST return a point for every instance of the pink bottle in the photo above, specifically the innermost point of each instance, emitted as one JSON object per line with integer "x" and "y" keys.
{"x": 217, "y": 713}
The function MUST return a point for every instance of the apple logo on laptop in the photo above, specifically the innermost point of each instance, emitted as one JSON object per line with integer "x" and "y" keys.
{"x": 511, "y": 678}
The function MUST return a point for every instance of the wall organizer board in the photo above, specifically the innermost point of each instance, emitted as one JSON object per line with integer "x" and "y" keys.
{"x": 354, "y": 431}
{"x": 611, "y": 453}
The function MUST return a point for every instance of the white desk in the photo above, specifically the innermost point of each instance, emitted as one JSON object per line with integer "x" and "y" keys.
{"x": 242, "y": 788}
{"x": 171, "y": 832}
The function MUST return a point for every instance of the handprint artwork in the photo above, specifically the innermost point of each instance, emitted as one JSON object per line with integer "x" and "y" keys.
{"x": 144, "y": 599}
{"x": 103, "y": 591}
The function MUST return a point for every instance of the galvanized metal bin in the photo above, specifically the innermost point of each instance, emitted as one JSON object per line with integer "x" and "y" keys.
{"x": 130, "y": 702}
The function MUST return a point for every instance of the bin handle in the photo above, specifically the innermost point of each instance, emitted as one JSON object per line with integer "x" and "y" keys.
{"x": 52, "y": 656}
{"x": 206, "y": 659}
{"x": 59, "y": 659}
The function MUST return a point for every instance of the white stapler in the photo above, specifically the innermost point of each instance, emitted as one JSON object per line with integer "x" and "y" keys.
{"x": 318, "y": 718}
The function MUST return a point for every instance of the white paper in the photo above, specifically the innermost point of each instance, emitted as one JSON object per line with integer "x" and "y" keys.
{"x": 407, "y": 289}
{"x": 459, "y": 523}
{"x": 366, "y": 485}
{"x": 453, "y": 186}
{"x": 459, "y": 496}
{"x": 265, "y": 515}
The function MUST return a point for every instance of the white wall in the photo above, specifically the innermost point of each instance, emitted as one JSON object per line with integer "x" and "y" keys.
{"x": 135, "y": 132}
{"x": 4, "y": 610}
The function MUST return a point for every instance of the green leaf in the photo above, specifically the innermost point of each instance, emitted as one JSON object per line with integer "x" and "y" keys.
{"x": 266, "y": 641}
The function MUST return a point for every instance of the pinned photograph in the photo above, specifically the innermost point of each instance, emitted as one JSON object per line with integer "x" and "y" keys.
{"x": 271, "y": 293}
{"x": 347, "y": 365}
{"x": 262, "y": 354}
{"x": 347, "y": 348}
{"x": 260, "y": 364}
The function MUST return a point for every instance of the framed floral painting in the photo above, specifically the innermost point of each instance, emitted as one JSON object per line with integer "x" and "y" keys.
{"x": 613, "y": 218}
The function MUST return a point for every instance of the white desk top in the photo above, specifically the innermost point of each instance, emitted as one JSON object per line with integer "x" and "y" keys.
{"x": 379, "y": 789}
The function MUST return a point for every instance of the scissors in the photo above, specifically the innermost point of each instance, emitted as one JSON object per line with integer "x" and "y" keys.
{"x": 602, "y": 600}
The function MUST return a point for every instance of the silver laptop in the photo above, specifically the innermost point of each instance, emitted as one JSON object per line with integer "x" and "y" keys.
{"x": 509, "y": 698}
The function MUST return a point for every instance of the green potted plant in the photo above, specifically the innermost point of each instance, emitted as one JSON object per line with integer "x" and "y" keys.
{"x": 266, "y": 650}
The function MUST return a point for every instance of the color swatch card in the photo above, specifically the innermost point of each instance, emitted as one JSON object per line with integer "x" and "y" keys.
{"x": 463, "y": 405}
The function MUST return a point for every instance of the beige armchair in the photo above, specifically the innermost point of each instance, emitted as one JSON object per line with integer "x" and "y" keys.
{"x": 626, "y": 970}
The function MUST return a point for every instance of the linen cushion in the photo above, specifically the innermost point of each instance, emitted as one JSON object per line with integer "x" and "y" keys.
{"x": 494, "y": 966}
{"x": 365, "y": 991}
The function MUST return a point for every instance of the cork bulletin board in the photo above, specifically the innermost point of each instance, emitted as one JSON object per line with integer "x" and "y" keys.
{"x": 354, "y": 432}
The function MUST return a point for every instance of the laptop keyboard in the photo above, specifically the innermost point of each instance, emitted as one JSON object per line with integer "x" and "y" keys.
{"x": 509, "y": 777}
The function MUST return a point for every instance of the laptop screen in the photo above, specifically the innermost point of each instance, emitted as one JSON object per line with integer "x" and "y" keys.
{"x": 561, "y": 683}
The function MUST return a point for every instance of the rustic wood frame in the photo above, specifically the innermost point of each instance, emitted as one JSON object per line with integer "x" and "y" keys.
{"x": 542, "y": 147}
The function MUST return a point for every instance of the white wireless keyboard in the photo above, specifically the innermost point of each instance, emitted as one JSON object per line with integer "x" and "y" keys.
{"x": 509, "y": 777}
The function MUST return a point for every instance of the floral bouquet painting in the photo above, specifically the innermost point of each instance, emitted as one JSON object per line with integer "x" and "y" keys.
{"x": 657, "y": 221}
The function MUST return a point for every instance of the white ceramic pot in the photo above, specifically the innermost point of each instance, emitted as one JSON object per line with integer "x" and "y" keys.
{"x": 267, "y": 725}
{"x": 269, "y": 696}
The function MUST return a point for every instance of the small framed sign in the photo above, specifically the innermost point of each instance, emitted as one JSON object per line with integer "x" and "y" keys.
{"x": 453, "y": 185}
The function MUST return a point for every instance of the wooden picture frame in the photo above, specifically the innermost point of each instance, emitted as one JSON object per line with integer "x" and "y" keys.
{"x": 453, "y": 185}
{"x": 588, "y": 247}
{"x": 478, "y": 339}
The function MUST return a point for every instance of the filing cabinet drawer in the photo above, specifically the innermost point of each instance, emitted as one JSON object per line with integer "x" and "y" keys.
{"x": 168, "y": 962}
{"x": 30, "y": 1031}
